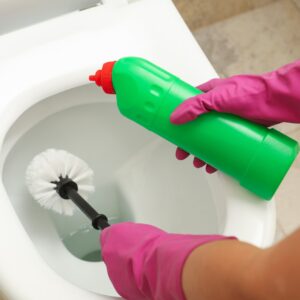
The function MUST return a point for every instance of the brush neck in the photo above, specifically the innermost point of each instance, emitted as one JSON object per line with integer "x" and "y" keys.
{"x": 99, "y": 221}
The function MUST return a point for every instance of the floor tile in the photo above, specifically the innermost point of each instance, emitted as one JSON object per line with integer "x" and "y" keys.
{"x": 253, "y": 42}
{"x": 198, "y": 13}
{"x": 297, "y": 2}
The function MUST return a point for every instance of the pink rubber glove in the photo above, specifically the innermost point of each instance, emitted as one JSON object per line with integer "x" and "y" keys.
{"x": 145, "y": 262}
{"x": 266, "y": 99}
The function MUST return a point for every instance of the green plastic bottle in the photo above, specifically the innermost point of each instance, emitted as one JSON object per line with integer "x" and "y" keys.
{"x": 254, "y": 155}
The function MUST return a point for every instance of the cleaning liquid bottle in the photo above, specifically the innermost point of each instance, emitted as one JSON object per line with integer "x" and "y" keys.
{"x": 258, "y": 157}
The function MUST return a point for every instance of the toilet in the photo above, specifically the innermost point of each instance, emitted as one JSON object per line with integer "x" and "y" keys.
{"x": 48, "y": 102}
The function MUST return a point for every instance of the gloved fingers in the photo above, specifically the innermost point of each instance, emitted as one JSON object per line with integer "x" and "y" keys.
{"x": 209, "y": 85}
{"x": 210, "y": 169}
{"x": 187, "y": 111}
{"x": 181, "y": 154}
{"x": 198, "y": 163}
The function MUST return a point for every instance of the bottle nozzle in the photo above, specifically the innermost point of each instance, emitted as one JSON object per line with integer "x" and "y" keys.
{"x": 104, "y": 78}
{"x": 96, "y": 78}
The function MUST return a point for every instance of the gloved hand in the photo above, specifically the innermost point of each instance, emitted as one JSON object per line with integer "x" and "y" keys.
{"x": 145, "y": 262}
{"x": 265, "y": 99}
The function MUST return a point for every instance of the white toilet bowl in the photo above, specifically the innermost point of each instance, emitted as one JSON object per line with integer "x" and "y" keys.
{"x": 46, "y": 102}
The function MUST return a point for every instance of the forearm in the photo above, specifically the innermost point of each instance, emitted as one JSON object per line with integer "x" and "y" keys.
{"x": 219, "y": 271}
{"x": 235, "y": 270}
{"x": 280, "y": 270}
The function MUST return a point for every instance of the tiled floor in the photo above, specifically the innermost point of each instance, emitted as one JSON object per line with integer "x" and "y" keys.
{"x": 205, "y": 12}
{"x": 259, "y": 41}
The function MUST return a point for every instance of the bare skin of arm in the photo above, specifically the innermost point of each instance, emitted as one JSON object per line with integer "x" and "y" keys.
{"x": 234, "y": 270}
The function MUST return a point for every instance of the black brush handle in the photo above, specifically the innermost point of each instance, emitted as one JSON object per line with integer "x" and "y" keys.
{"x": 99, "y": 221}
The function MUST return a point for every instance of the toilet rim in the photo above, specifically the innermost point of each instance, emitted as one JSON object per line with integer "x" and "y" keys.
{"x": 257, "y": 214}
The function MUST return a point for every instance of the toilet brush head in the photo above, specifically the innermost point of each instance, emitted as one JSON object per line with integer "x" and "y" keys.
{"x": 51, "y": 169}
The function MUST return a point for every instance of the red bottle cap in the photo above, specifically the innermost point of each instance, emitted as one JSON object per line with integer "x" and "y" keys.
{"x": 104, "y": 77}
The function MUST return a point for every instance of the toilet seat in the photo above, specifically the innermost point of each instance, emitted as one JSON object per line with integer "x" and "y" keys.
{"x": 34, "y": 65}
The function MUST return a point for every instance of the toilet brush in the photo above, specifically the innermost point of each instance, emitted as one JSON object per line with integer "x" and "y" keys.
{"x": 58, "y": 180}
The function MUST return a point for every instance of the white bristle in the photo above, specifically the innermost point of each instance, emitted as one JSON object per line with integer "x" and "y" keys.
{"x": 48, "y": 166}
